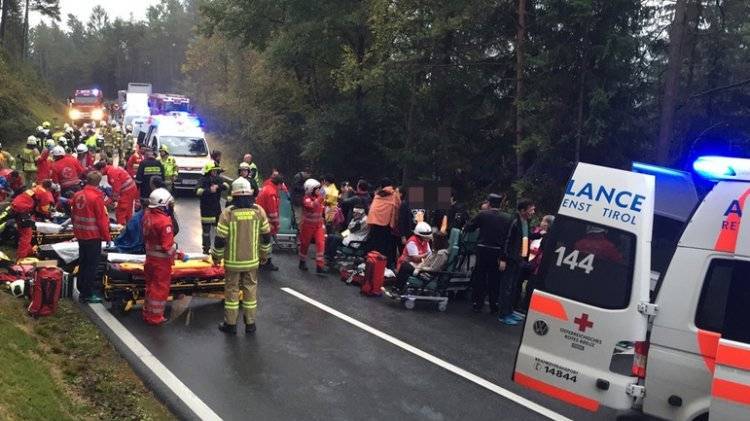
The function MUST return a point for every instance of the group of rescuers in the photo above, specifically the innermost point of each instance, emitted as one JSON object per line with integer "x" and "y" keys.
{"x": 243, "y": 229}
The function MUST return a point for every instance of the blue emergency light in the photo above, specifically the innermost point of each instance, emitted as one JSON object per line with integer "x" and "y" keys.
{"x": 656, "y": 169}
{"x": 721, "y": 167}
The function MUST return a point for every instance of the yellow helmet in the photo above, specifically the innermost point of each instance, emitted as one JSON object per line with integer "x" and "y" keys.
{"x": 164, "y": 148}
{"x": 46, "y": 125}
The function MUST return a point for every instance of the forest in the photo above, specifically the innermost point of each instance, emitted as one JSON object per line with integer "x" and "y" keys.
{"x": 484, "y": 95}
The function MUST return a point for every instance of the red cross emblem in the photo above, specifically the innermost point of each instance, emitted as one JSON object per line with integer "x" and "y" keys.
{"x": 583, "y": 322}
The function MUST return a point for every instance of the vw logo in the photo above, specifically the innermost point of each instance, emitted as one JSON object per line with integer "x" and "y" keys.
{"x": 540, "y": 327}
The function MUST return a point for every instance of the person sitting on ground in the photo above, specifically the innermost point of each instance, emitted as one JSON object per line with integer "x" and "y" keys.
{"x": 356, "y": 233}
{"x": 415, "y": 252}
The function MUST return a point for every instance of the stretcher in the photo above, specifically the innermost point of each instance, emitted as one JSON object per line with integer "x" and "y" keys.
{"x": 50, "y": 232}
{"x": 286, "y": 238}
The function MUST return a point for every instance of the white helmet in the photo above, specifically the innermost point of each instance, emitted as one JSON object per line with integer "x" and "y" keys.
{"x": 50, "y": 143}
{"x": 66, "y": 126}
{"x": 58, "y": 151}
{"x": 17, "y": 287}
{"x": 39, "y": 128}
{"x": 160, "y": 197}
{"x": 311, "y": 184}
{"x": 242, "y": 187}
{"x": 423, "y": 229}
{"x": 31, "y": 140}
{"x": 81, "y": 148}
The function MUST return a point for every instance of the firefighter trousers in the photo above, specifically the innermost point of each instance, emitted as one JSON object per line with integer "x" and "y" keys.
{"x": 125, "y": 206}
{"x": 208, "y": 227}
{"x": 158, "y": 273}
{"x": 307, "y": 234}
{"x": 247, "y": 282}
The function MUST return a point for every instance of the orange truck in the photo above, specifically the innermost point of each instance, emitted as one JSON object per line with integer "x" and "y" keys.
{"x": 87, "y": 105}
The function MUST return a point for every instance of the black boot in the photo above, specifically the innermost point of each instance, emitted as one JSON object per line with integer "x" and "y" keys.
{"x": 302, "y": 265}
{"x": 250, "y": 329}
{"x": 321, "y": 269}
{"x": 227, "y": 328}
{"x": 268, "y": 266}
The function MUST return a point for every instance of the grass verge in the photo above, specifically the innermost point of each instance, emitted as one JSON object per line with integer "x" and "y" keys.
{"x": 62, "y": 368}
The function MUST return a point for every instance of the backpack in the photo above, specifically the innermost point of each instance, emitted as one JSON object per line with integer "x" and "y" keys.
{"x": 374, "y": 274}
{"x": 45, "y": 291}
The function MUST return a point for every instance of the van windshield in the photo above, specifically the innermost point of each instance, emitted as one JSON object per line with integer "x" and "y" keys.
{"x": 86, "y": 100}
{"x": 185, "y": 146}
{"x": 588, "y": 262}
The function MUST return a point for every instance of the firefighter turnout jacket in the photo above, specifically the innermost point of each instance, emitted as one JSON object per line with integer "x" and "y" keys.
{"x": 210, "y": 202}
{"x": 147, "y": 169}
{"x": 242, "y": 238}
{"x": 90, "y": 219}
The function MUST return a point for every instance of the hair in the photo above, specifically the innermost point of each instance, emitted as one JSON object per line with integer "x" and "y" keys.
{"x": 47, "y": 184}
{"x": 495, "y": 201}
{"x": 385, "y": 182}
{"x": 404, "y": 191}
{"x": 100, "y": 165}
{"x": 215, "y": 154}
{"x": 549, "y": 218}
{"x": 328, "y": 178}
{"x": 157, "y": 182}
{"x": 94, "y": 178}
{"x": 242, "y": 201}
{"x": 363, "y": 185}
{"x": 277, "y": 179}
{"x": 524, "y": 204}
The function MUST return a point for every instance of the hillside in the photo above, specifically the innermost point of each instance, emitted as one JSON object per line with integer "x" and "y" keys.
{"x": 24, "y": 103}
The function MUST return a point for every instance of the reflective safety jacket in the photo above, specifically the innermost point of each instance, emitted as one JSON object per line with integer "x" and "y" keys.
{"x": 43, "y": 166}
{"x": 148, "y": 168}
{"x": 210, "y": 201}
{"x": 133, "y": 163}
{"x": 120, "y": 181}
{"x": 23, "y": 204}
{"x": 91, "y": 142}
{"x": 158, "y": 234}
{"x": 67, "y": 172}
{"x": 268, "y": 199}
{"x": 44, "y": 200}
{"x": 90, "y": 219}
{"x": 242, "y": 237}
{"x": 312, "y": 210}
{"x": 28, "y": 158}
{"x": 170, "y": 167}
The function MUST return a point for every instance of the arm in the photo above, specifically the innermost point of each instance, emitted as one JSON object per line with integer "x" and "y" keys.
{"x": 265, "y": 236}
{"x": 512, "y": 244}
{"x": 167, "y": 238}
{"x": 222, "y": 230}
{"x": 139, "y": 175}
{"x": 102, "y": 219}
{"x": 79, "y": 168}
{"x": 473, "y": 224}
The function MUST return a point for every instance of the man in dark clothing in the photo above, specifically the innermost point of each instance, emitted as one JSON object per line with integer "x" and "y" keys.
{"x": 405, "y": 220}
{"x": 359, "y": 198}
{"x": 209, "y": 191}
{"x": 148, "y": 168}
{"x": 493, "y": 228}
{"x": 517, "y": 263}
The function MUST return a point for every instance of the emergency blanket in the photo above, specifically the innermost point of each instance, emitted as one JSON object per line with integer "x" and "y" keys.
{"x": 67, "y": 251}
{"x": 181, "y": 270}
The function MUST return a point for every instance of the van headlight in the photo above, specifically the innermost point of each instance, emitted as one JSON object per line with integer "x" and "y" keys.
{"x": 97, "y": 114}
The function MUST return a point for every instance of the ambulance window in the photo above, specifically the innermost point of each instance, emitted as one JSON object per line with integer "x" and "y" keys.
{"x": 713, "y": 301}
{"x": 736, "y": 326}
{"x": 589, "y": 263}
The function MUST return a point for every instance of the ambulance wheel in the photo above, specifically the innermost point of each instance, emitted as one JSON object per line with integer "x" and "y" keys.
{"x": 409, "y": 304}
{"x": 442, "y": 306}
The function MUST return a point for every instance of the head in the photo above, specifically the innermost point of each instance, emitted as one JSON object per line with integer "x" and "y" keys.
{"x": 277, "y": 179}
{"x": 386, "y": 182}
{"x": 248, "y": 157}
{"x": 156, "y": 182}
{"x": 58, "y": 152}
{"x": 403, "y": 192}
{"x": 148, "y": 153}
{"x": 363, "y": 186}
{"x": 82, "y": 150}
{"x": 547, "y": 222}
{"x": 102, "y": 167}
{"x": 358, "y": 213}
{"x": 311, "y": 186}
{"x": 47, "y": 184}
{"x": 93, "y": 178}
{"x": 216, "y": 156}
{"x": 423, "y": 230}
{"x": 241, "y": 187}
{"x": 526, "y": 208}
{"x": 163, "y": 151}
{"x": 328, "y": 180}
{"x": 494, "y": 201}
{"x": 160, "y": 198}
{"x": 244, "y": 169}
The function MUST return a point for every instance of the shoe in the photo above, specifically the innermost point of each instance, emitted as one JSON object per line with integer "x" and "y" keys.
{"x": 302, "y": 265}
{"x": 518, "y": 315}
{"x": 507, "y": 320}
{"x": 270, "y": 266}
{"x": 321, "y": 269}
{"x": 250, "y": 329}
{"x": 227, "y": 328}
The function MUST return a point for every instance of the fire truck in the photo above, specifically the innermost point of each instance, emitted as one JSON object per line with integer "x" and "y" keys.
{"x": 161, "y": 104}
{"x": 87, "y": 105}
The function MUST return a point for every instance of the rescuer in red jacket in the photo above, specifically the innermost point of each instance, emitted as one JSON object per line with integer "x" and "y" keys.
{"x": 158, "y": 238}
{"x": 134, "y": 162}
{"x": 22, "y": 207}
{"x": 268, "y": 199}
{"x": 90, "y": 227}
{"x": 66, "y": 170}
{"x": 312, "y": 226}
{"x": 124, "y": 190}
{"x": 43, "y": 164}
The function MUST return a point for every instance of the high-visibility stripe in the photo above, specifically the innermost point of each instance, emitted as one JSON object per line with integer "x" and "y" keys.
{"x": 708, "y": 343}
{"x": 733, "y": 357}
{"x": 731, "y": 391}
{"x": 151, "y": 170}
{"x": 159, "y": 254}
{"x": 240, "y": 266}
{"x": 208, "y": 219}
{"x": 548, "y": 305}
{"x": 84, "y": 219}
{"x": 251, "y": 304}
{"x": 556, "y": 392}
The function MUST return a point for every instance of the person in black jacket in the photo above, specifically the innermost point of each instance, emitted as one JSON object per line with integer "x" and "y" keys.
{"x": 405, "y": 221}
{"x": 359, "y": 198}
{"x": 517, "y": 263}
{"x": 209, "y": 192}
{"x": 493, "y": 226}
{"x": 149, "y": 167}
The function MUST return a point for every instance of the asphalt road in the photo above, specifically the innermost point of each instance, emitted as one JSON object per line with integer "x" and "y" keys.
{"x": 304, "y": 363}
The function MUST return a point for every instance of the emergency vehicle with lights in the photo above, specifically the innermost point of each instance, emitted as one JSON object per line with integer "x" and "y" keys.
{"x": 161, "y": 104}
{"x": 87, "y": 105}
{"x": 185, "y": 140}
{"x": 643, "y": 302}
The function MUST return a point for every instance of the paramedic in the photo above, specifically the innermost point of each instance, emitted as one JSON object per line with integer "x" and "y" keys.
{"x": 22, "y": 207}
{"x": 269, "y": 200}
{"x": 124, "y": 190}
{"x": 66, "y": 170}
{"x": 312, "y": 228}
{"x": 91, "y": 227}
{"x": 148, "y": 168}
{"x": 416, "y": 250}
{"x": 43, "y": 164}
{"x": 493, "y": 227}
{"x": 85, "y": 157}
{"x": 243, "y": 239}
{"x": 209, "y": 192}
{"x": 134, "y": 161}
{"x": 158, "y": 238}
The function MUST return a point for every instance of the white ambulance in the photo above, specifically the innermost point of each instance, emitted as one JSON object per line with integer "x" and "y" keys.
{"x": 645, "y": 298}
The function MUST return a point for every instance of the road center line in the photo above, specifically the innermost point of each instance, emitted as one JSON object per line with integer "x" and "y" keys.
{"x": 433, "y": 359}
{"x": 174, "y": 384}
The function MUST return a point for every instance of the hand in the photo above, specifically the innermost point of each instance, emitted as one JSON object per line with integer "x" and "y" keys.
{"x": 502, "y": 265}
{"x": 216, "y": 259}
{"x": 264, "y": 260}
{"x": 403, "y": 240}
{"x": 213, "y": 188}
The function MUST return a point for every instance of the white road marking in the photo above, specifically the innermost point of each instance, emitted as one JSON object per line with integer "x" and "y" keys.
{"x": 433, "y": 359}
{"x": 170, "y": 380}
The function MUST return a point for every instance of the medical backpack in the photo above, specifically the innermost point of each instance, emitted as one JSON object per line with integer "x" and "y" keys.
{"x": 374, "y": 274}
{"x": 45, "y": 291}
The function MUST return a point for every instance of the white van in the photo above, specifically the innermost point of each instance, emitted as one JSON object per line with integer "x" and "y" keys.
{"x": 185, "y": 141}
{"x": 644, "y": 303}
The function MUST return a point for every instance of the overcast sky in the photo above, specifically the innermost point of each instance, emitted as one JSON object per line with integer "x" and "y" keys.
{"x": 115, "y": 8}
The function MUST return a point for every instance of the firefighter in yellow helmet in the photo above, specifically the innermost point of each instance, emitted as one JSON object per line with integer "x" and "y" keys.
{"x": 243, "y": 239}
{"x": 170, "y": 166}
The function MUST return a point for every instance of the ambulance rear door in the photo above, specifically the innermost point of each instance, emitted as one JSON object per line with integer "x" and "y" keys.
{"x": 593, "y": 285}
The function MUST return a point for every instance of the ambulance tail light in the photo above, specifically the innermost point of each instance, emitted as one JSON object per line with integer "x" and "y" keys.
{"x": 639, "y": 359}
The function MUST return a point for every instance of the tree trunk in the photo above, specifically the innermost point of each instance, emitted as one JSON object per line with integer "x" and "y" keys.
{"x": 4, "y": 20}
{"x": 671, "y": 82}
{"x": 25, "y": 42}
{"x": 520, "y": 64}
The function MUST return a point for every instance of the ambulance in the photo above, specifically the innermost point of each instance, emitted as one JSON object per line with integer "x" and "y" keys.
{"x": 644, "y": 297}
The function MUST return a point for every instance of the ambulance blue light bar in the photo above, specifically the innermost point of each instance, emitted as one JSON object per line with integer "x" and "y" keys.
{"x": 656, "y": 169}
{"x": 722, "y": 168}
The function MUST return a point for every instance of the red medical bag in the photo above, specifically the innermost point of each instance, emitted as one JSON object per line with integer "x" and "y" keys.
{"x": 45, "y": 291}
{"x": 374, "y": 274}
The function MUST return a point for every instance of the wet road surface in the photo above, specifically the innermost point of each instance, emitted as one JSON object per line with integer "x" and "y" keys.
{"x": 304, "y": 363}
